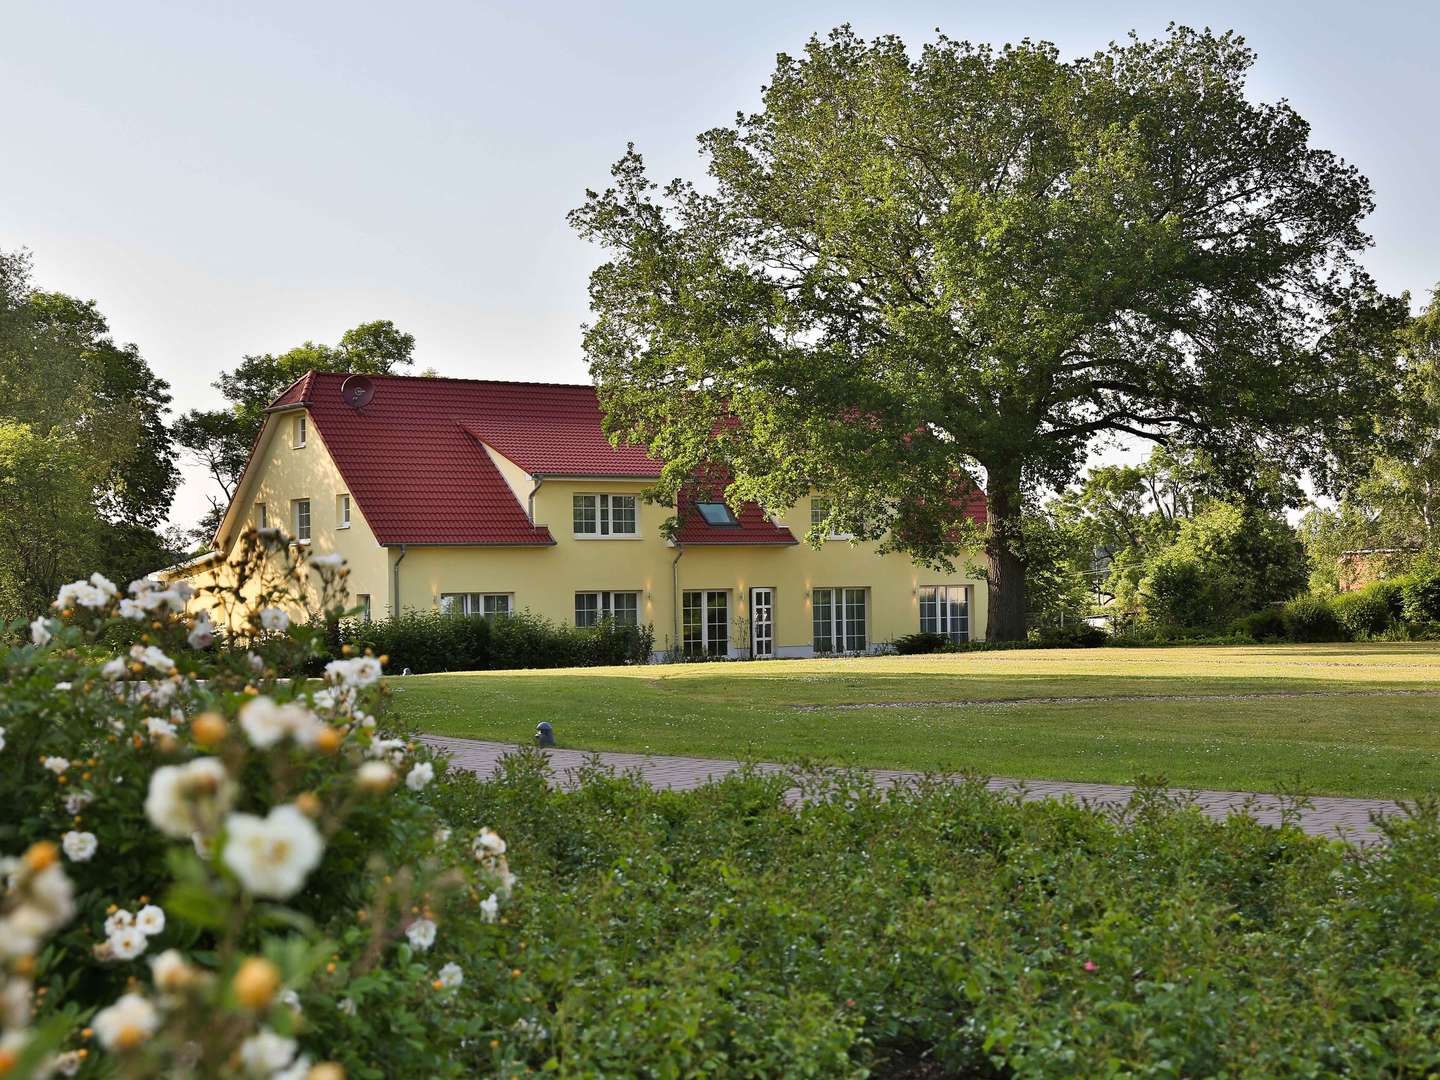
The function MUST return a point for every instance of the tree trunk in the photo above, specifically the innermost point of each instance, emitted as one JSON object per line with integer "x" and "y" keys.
{"x": 1006, "y": 619}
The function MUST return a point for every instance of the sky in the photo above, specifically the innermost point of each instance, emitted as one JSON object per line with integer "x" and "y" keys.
{"x": 225, "y": 179}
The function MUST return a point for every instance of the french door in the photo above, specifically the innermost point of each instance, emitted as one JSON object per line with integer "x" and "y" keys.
{"x": 762, "y": 623}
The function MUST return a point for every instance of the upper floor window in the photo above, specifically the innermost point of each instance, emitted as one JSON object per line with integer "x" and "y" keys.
{"x": 342, "y": 511}
{"x": 605, "y": 515}
{"x": 620, "y": 607}
{"x": 474, "y": 603}
{"x": 297, "y": 431}
{"x": 716, "y": 513}
{"x": 820, "y": 510}
{"x": 261, "y": 520}
{"x": 301, "y": 524}
{"x": 945, "y": 609}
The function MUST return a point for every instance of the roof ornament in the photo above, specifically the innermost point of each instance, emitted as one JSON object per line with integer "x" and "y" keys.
{"x": 357, "y": 391}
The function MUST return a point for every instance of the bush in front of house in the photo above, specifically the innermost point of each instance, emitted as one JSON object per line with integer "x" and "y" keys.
{"x": 921, "y": 644}
{"x": 431, "y": 641}
{"x": 1420, "y": 597}
{"x": 1311, "y": 618}
{"x": 1365, "y": 613}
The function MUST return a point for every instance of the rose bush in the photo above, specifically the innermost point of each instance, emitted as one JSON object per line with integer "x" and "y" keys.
{"x": 214, "y": 870}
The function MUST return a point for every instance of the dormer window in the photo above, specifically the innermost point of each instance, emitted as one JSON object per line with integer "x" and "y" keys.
{"x": 718, "y": 514}
{"x": 605, "y": 515}
{"x": 297, "y": 431}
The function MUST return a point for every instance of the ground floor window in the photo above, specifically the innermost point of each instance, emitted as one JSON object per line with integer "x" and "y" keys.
{"x": 839, "y": 620}
{"x": 364, "y": 601}
{"x": 474, "y": 603}
{"x": 945, "y": 609}
{"x": 620, "y": 607}
{"x": 705, "y": 622}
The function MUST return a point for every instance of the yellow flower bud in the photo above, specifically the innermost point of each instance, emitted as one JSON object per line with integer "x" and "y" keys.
{"x": 255, "y": 983}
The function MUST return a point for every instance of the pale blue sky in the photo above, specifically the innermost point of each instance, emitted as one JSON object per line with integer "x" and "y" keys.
{"x": 233, "y": 178}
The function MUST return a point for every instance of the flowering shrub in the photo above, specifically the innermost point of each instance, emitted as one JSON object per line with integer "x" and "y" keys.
{"x": 213, "y": 870}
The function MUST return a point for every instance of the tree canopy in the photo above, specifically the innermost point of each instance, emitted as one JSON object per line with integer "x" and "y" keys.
{"x": 86, "y": 475}
{"x": 903, "y": 271}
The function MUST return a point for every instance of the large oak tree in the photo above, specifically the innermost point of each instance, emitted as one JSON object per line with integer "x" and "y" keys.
{"x": 907, "y": 270}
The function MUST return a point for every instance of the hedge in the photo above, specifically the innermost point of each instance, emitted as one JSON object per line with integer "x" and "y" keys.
{"x": 430, "y": 641}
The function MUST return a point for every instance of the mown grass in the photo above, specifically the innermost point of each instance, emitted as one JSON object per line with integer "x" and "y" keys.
{"x": 1361, "y": 718}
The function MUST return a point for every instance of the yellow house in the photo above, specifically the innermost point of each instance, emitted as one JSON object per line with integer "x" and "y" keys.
{"x": 490, "y": 497}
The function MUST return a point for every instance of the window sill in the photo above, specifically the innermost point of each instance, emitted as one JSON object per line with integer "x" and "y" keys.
{"x": 345, "y": 526}
{"x": 611, "y": 536}
{"x": 300, "y": 543}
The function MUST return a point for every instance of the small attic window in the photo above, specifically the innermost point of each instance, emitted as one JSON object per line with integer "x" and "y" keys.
{"x": 297, "y": 431}
{"x": 716, "y": 513}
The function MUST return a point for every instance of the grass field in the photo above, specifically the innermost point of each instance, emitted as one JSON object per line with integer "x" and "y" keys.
{"x": 1323, "y": 719}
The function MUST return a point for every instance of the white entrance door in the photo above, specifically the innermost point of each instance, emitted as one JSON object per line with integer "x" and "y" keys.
{"x": 762, "y": 623}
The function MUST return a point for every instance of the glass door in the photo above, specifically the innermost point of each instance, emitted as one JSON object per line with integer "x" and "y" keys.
{"x": 762, "y": 623}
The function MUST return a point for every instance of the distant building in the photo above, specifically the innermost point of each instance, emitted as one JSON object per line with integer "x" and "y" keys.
{"x": 1361, "y": 566}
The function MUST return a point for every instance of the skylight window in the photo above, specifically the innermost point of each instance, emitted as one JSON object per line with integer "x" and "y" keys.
{"x": 716, "y": 513}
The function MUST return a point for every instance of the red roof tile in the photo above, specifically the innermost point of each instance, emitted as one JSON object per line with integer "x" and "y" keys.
{"x": 415, "y": 464}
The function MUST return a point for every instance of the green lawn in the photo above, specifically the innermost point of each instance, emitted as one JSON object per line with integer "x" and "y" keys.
{"x": 1365, "y": 723}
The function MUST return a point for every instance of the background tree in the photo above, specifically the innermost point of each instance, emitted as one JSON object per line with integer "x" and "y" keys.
{"x": 86, "y": 475}
{"x": 219, "y": 440}
{"x": 976, "y": 262}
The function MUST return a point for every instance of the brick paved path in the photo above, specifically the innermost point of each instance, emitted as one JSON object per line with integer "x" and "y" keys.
{"x": 1344, "y": 818}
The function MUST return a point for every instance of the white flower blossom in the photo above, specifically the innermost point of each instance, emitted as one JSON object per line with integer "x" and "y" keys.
{"x": 76, "y": 801}
{"x": 290, "y": 999}
{"x": 490, "y": 908}
{"x": 266, "y": 723}
{"x": 299, "y": 1069}
{"x": 159, "y": 727}
{"x": 529, "y": 1029}
{"x": 152, "y": 657}
{"x": 202, "y": 632}
{"x": 451, "y": 976}
{"x": 348, "y": 1006}
{"x": 150, "y": 920}
{"x": 68, "y": 1063}
{"x": 266, "y": 1053}
{"x": 79, "y": 846}
{"x": 104, "y": 584}
{"x": 375, "y": 776}
{"x": 489, "y": 844}
{"x": 256, "y": 661}
{"x": 359, "y": 672}
{"x": 130, "y": 609}
{"x": 128, "y": 1022}
{"x": 84, "y": 593}
{"x": 421, "y": 933}
{"x": 442, "y": 834}
{"x": 2, "y": 738}
{"x": 127, "y": 944}
{"x": 113, "y": 669}
{"x": 419, "y": 776}
{"x": 170, "y": 970}
{"x": 331, "y": 561}
{"x": 189, "y": 798}
{"x": 272, "y": 856}
{"x": 272, "y": 618}
{"x": 57, "y": 765}
{"x": 119, "y": 920}
{"x": 40, "y": 634}
{"x": 391, "y": 749}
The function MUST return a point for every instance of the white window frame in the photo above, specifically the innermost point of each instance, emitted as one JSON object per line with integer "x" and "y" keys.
{"x": 301, "y": 532}
{"x": 364, "y": 601}
{"x": 477, "y": 603}
{"x": 841, "y": 638}
{"x": 942, "y": 618}
{"x": 605, "y": 605}
{"x": 819, "y": 511}
{"x": 602, "y": 507}
{"x": 299, "y": 429}
{"x": 710, "y": 644}
{"x": 262, "y": 521}
{"x": 342, "y": 511}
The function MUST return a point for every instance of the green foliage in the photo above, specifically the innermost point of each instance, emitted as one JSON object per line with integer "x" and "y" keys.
{"x": 949, "y": 930}
{"x": 431, "y": 641}
{"x": 1420, "y": 597}
{"x": 905, "y": 268}
{"x": 85, "y": 468}
{"x": 1364, "y": 613}
{"x": 1079, "y": 634}
{"x": 1267, "y": 624}
{"x": 921, "y": 644}
{"x": 1312, "y": 618}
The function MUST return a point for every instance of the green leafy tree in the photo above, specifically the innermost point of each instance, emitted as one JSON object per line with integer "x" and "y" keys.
{"x": 86, "y": 474}
{"x": 904, "y": 270}
{"x": 219, "y": 440}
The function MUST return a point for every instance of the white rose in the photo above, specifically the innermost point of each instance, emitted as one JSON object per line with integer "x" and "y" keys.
{"x": 40, "y": 633}
{"x": 419, "y": 776}
{"x": 272, "y": 856}
{"x": 131, "y": 1020}
{"x": 451, "y": 976}
{"x": 490, "y": 908}
{"x": 57, "y": 765}
{"x": 266, "y": 1053}
{"x": 150, "y": 920}
{"x": 127, "y": 944}
{"x": 202, "y": 633}
{"x": 421, "y": 933}
{"x": 79, "y": 846}
{"x": 272, "y": 618}
{"x": 189, "y": 798}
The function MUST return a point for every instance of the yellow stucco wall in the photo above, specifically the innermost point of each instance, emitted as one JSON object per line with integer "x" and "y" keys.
{"x": 544, "y": 580}
{"x": 280, "y": 473}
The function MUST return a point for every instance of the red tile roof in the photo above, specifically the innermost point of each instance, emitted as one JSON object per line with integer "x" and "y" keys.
{"x": 415, "y": 464}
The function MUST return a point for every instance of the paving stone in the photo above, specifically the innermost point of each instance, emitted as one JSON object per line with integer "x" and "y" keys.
{"x": 1346, "y": 819}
